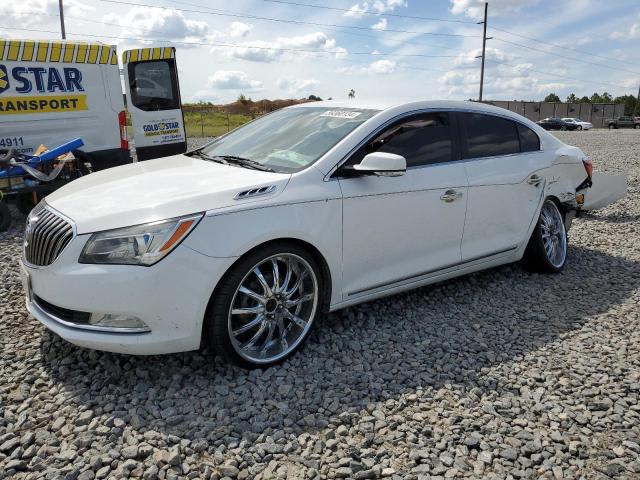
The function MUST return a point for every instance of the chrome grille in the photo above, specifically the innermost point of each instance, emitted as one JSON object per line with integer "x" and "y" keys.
{"x": 46, "y": 235}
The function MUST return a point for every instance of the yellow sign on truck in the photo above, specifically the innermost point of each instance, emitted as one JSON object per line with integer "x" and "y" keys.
{"x": 51, "y": 91}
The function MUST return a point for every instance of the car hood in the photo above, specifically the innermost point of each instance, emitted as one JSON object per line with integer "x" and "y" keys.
{"x": 156, "y": 190}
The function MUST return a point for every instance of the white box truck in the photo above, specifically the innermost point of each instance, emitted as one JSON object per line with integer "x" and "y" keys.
{"x": 55, "y": 91}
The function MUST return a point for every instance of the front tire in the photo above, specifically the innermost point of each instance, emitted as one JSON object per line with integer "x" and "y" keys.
{"x": 579, "y": 127}
{"x": 612, "y": 127}
{"x": 637, "y": 126}
{"x": 563, "y": 128}
{"x": 264, "y": 308}
{"x": 546, "y": 251}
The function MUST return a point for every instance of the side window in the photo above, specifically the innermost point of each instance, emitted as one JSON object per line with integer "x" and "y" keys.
{"x": 529, "y": 140}
{"x": 421, "y": 139}
{"x": 153, "y": 85}
{"x": 489, "y": 136}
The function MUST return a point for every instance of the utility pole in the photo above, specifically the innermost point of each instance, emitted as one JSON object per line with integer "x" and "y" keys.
{"x": 637, "y": 107}
{"x": 64, "y": 34}
{"x": 484, "y": 45}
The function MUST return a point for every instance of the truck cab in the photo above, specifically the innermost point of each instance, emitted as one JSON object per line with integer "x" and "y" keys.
{"x": 624, "y": 122}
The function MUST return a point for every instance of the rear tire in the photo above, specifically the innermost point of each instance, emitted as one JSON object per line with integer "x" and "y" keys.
{"x": 563, "y": 128}
{"x": 637, "y": 126}
{"x": 261, "y": 313}
{"x": 5, "y": 216}
{"x": 612, "y": 127}
{"x": 546, "y": 251}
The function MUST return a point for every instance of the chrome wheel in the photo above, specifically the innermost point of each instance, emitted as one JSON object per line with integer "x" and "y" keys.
{"x": 554, "y": 235}
{"x": 273, "y": 308}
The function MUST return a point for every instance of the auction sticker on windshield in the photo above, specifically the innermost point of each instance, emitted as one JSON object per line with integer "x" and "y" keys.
{"x": 340, "y": 114}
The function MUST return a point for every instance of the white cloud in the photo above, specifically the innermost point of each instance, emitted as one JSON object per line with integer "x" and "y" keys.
{"x": 379, "y": 67}
{"x": 475, "y": 8}
{"x": 270, "y": 51}
{"x": 239, "y": 29}
{"x": 631, "y": 82}
{"x": 633, "y": 32}
{"x": 469, "y": 58}
{"x": 155, "y": 23}
{"x": 380, "y": 25}
{"x": 374, "y": 6}
{"x": 382, "y": 66}
{"x": 503, "y": 83}
{"x": 296, "y": 85}
{"x": 25, "y": 12}
{"x": 233, "y": 80}
{"x": 357, "y": 10}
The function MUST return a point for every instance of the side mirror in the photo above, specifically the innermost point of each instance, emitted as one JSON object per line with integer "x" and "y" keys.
{"x": 379, "y": 164}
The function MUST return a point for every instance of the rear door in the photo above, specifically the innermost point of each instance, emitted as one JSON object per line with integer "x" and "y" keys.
{"x": 503, "y": 162}
{"x": 153, "y": 101}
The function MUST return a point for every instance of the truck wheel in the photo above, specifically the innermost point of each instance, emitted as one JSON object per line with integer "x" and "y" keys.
{"x": 5, "y": 217}
{"x": 612, "y": 127}
{"x": 637, "y": 126}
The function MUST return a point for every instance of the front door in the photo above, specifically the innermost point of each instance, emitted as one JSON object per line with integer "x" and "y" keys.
{"x": 505, "y": 166}
{"x": 397, "y": 229}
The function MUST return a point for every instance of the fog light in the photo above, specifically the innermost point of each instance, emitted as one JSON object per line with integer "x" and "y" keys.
{"x": 580, "y": 198}
{"x": 117, "y": 321}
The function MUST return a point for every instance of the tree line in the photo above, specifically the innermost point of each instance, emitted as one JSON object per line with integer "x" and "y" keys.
{"x": 629, "y": 101}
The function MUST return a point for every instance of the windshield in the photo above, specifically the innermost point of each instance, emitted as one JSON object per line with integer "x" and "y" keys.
{"x": 290, "y": 139}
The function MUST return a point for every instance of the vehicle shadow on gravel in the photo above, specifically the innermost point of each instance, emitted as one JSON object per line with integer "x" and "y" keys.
{"x": 449, "y": 334}
{"x": 616, "y": 217}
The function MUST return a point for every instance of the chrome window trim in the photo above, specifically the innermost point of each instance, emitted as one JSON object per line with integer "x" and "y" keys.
{"x": 329, "y": 176}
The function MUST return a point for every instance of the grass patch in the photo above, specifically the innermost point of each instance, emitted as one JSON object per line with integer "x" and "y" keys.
{"x": 212, "y": 124}
{"x": 207, "y": 124}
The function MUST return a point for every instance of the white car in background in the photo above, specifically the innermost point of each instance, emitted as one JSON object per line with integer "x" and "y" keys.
{"x": 582, "y": 125}
{"x": 247, "y": 241}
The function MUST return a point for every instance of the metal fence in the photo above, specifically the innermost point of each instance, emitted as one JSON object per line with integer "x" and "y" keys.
{"x": 596, "y": 113}
{"x": 213, "y": 120}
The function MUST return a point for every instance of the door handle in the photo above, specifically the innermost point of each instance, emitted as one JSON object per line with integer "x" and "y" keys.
{"x": 534, "y": 180}
{"x": 450, "y": 196}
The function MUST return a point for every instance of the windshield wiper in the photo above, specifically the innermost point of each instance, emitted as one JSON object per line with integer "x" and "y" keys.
{"x": 243, "y": 162}
{"x": 204, "y": 156}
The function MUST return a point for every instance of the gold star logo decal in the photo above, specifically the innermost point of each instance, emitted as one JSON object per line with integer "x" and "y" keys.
{"x": 3, "y": 81}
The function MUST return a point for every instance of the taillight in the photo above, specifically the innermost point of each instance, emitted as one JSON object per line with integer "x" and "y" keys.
{"x": 588, "y": 166}
{"x": 124, "y": 139}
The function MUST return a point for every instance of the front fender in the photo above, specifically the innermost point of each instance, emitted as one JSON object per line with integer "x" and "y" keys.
{"x": 318, "y": 223}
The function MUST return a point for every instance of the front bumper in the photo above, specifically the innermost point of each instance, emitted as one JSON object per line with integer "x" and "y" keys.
{"x": 171, "y": 297}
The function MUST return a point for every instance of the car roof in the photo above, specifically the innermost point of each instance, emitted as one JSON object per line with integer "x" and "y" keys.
{"x": 405, "y": 105}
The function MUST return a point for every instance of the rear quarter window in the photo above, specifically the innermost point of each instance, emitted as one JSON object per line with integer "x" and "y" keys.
{"x": 529, "y": 140}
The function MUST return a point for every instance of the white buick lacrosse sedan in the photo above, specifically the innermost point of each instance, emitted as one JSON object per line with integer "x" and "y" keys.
{"x": 246, "y": 242}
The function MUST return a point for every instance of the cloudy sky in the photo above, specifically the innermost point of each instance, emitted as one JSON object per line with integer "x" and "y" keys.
{"x": 380, "y": 48}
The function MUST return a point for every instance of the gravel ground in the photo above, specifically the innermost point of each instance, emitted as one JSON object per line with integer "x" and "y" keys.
{"x": 501, "y": 374}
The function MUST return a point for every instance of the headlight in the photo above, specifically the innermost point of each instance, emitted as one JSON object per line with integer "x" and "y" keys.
{"x": 139, "y": 245}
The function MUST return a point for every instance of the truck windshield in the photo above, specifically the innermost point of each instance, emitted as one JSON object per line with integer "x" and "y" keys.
{"x": 290, "y": 139}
